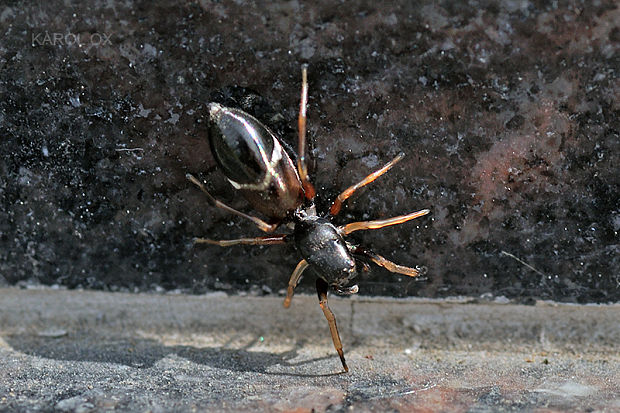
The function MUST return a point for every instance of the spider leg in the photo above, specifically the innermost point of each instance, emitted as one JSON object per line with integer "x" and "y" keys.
{"x": 321, "y": 289}
{"x": 382, "y": 262}
{"x": 380, "y": 223}
{"x": 302, "y": 167}
{"x": 262, "y": 225}
{"x": 337, "y": 204}
{"x": 268, "y": 240}
{"x": 293, "y": 281}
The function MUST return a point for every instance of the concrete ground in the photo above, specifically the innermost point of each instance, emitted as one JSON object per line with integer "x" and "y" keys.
{"x": 85, "y": 351}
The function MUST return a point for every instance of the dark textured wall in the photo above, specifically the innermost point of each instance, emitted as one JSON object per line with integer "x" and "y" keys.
{"x": 508, "y": 112}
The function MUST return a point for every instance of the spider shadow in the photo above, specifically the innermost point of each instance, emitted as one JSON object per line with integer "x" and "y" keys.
{"x": 146, "y": 352}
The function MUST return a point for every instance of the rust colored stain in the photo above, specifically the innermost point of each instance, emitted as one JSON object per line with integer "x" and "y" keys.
{"x": 521, "y": 164}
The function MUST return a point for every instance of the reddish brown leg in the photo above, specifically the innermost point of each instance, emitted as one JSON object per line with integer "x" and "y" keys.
{"x": 293, "y": 281}
{"x": 321, "y": 289}
{"x": 337, "y": 205}
{"x": 262, "y": 225}
{"x": 388, "y": 265}
{"x": 270, "y": 240}
{"x": 380, "y": 223}
{"x": 301, "y": 123}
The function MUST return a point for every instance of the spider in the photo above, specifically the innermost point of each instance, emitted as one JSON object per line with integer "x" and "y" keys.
{"x": 256, "y": 164}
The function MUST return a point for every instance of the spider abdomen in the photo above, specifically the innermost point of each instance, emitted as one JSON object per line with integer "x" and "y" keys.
{"x": 254, "y": 161}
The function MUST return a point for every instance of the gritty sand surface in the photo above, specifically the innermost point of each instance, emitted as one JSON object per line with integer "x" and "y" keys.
{"x": 84, "y": 351}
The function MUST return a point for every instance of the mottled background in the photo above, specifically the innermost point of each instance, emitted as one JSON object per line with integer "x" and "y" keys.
{"x": 508, "y": 112}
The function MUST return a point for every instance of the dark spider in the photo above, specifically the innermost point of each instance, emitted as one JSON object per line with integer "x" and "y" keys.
{"x": 256, "y": 164}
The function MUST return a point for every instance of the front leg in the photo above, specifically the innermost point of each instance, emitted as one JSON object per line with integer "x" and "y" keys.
{"x": 321, "y": 289}
{"x": 380, "y": 223}
{"x": 293, "y": 281}
{"x": 346, "y": 194}
{"x": 385, "y": 263}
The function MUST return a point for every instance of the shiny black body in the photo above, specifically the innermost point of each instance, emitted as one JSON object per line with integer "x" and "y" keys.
{"x": 321, "y": 245}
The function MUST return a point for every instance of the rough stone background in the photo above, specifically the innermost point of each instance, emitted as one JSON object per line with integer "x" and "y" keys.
{"x": 508, "y": 112}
